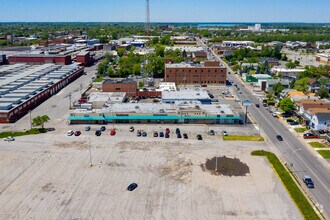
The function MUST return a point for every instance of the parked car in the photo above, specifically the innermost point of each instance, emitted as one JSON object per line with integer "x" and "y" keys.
{"x": 177, "y": 131}
{"x": 161, "y": 134}
{"x": 294, "y": 123}
{"x": 113, "y": 132}
{"x": 144, "y": 134}
{"x": 199, "y": 137}
{"x": 264, "y": 105}
{"x": 257, "y": 105}
{"x": 310, "y": 136}
{"x": 167, "y": 135}
{"x": 322, "y": 131}
{"x": 286, "y": 115}
{"x": 131, "y": 129}
{"x": 132, "y": 186}
{"x": 98, "y": 132}
{"x": 167, "y": 130}
{"x": 138, "y": 133}
{"x": 87, "y": 128}
{"x": 289, "y": 120}
{"x": 178, "y": 135}
{"x": 10, "y": 138}
{"x": 224, "y": 133}
{"x": 185, "y": 136}
{"x": 279, "y": 137}
{"x": 77, "y": 133}
{"x": 103, "y": 128}
{"x": 155, "y": 134}
{"x": 70, "y": 133}
{"x": 308, "y": 181}
{"x": 212, "y": 132}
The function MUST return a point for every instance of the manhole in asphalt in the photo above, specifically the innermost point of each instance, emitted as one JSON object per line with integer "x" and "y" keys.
{"x": 225, "y": 166}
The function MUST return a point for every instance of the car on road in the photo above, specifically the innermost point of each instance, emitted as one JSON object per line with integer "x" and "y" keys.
{"x": 70, "y": 133}
{"x": 131, "y": 129}
{"x": 167, "y": 135}
{"x": 155, "y": 134}
{"x": 98, "y": 133}
{"x": 178, "y": 135}
{"x": 199, "y": 137}
{"x": 161, "y": 134}
{"x": 257, "y": 105}
{"x": 10, "y": 138}
{"x": 113, "y": 132}
{"x": 132, "y": 186}
{"x": 77, "y": 133}
{"x": 212, "y": 132}
{"x": 224, "y": 133}
{"x": 103, "y": 128}
{"x": 310, "y": 136}
{"x": 87, "y": 128}
{"x": 144, "y": 134}
{"x": 185, "y": 136}
{"x": 308, "y": 181}
{"x": 279, "y": 137}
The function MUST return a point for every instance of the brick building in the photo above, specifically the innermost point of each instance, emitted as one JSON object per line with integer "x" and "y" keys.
{"x": 208, "y": 72}
{"x": 84, "y": 58}
{"x": 125, "y": 85}
{"x": 39, "y": 59}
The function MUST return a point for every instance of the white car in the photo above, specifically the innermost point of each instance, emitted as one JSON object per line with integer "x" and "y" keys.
{"x": 9, "y": 138}
{"x": 224, "y": 133}
{"x": 70, "y": 133}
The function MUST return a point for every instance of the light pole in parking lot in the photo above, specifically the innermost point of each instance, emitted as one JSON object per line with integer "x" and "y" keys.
{"x": 30, "y": 119}
{"x": 90, "y": 152}
{"x": 298, "y": 149}
{"x": 216, "y": 158}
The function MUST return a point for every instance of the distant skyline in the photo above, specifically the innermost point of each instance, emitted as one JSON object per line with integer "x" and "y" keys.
{"x": 316, "y": 11}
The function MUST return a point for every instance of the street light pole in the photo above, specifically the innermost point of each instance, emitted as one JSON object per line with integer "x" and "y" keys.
{"x": 90, "y": 152}
{"x": 30, "y": 119}
{"x": 298, "y": 149}
{"x": 216, "y": 158}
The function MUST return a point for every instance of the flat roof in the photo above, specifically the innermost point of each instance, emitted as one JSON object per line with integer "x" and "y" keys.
{"x": 186, "y": 94}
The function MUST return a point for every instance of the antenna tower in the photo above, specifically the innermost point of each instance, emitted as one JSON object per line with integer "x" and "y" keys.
{"x": 147, "y": 21}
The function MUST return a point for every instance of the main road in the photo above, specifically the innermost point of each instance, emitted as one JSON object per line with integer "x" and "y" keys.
{"x": 292, "y": 150}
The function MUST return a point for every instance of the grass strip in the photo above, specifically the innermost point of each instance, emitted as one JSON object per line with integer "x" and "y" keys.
{"x": 317, "y": 145}
{"x": 298, "y": 197}
{"x": 324, "y": 153}
{"x": 242, "y": 138}
{"x": 22, "y": 133}
{"x": 300, "y": 130}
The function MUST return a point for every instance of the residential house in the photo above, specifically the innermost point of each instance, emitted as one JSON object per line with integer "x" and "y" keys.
{"x": 270, "y": 61}
{"x": 271, "y": 82}
{"x": 315, "y": 84}
{"x": 321, "y": 121}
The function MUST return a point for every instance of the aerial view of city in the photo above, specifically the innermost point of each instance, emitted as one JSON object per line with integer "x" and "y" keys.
{"x": 148, "y": 109}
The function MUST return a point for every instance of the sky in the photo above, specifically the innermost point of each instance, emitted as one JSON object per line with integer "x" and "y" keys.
{"x": 311, "y": 11}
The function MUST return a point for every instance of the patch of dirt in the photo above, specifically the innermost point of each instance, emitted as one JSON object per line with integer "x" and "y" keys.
{"x": 179, "y": 170}
{"x": 225, "y": 166}
{"x": 48, "y": 187}
{"x": 129, "y": 145}
{"x": 115, "y": 164}
{"x": 74, "y": 144}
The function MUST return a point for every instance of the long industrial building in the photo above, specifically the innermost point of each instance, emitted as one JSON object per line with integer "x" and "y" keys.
{"x": 23, "y": 87}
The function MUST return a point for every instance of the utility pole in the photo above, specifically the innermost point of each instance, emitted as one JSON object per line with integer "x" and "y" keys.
{"x": 246, "y": 113}
{"x": 90, "y": 152}
{"x": 70, "y": 100}
{"x": 81, "y": 89}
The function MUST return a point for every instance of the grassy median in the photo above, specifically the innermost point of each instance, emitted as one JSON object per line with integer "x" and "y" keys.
{"x": 324, "y": 153}
{"x": 317, "y": 145}
{"x": 242, "y": 138}
{"x": 298, "y": 197}
{"x": 22, "y": 133}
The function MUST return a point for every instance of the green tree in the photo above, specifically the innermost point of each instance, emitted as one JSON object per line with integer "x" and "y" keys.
{"x": 323, "y": 93}
{"x": 111, "y": 72}
{"x": 278, "y": 88}
{"x": 121, "y": 51}
{"x": 291, "y": 65}
{"x": 155, "y": 40}
{"x": 301, "y": 85}
{"x": 40, "y": 121}
{"x": 141, "y": 84}
{"x": 160, "y": 51}
{"x": 287, "y": 105}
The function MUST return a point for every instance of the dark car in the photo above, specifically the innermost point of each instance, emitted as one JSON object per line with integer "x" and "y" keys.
{"x": 294, "y": 123}
{"x": 77, "y": 133}
{"x": 310, "y": 136}
{"x": 212, "y": 132}
{"x": 279, "y": 137}
{"x": 178, "y": 135}
{"x": 185, "y": 136}
{"x": 257, "y": 105}
{"x": 161, "y": 134}
{"x": 308, "y": 181}
{"x": 167, "y": 135}
{"x": 87, "y": 128}
{"x": 103, "y": 128}
{"x": 132, "y": 186}
{"x": 322, "y": 131}
{"x": 289, "y": 120}
{"x": 98, "y": 133}
{"x": 144, "y": 134}
{"x": 138, "y": 133}
{"x": 177, "y": 131}
{"x": 155, "y": 134}
{"x": 286, "y": 115}
{"x": 199, "y": 137}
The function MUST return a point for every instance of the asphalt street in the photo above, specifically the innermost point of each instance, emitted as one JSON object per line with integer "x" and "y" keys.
{"x": 292, "y": 150}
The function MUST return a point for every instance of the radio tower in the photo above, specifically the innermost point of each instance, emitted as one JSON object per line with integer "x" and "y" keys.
{"x": 147, "y": 22}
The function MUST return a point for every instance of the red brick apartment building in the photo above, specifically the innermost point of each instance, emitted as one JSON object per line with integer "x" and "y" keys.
{"x": 209, "y": 72}
{"x": 125, "y": 85}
